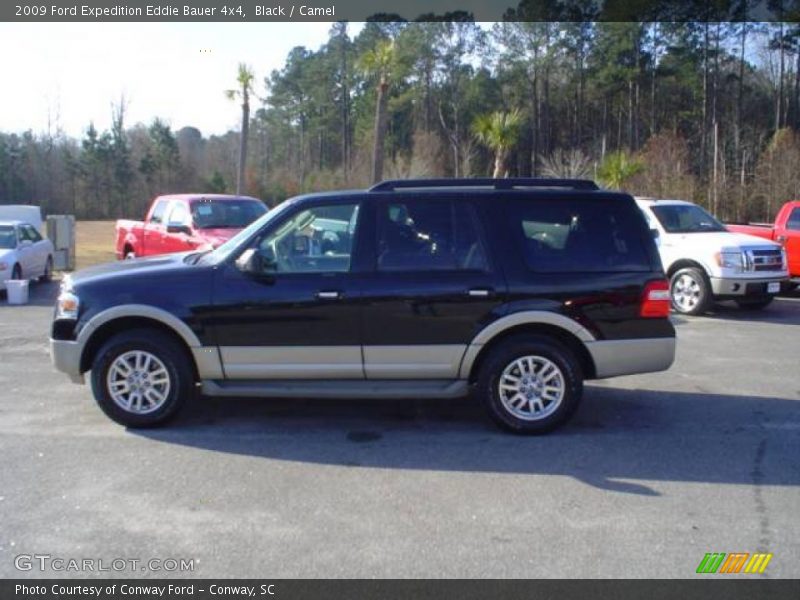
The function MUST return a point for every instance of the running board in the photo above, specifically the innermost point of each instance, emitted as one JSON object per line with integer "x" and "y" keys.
{"x": 426, "y": 388}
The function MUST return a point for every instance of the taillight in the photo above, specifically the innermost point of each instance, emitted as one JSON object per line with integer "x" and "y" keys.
{"x": 655, "y": 300}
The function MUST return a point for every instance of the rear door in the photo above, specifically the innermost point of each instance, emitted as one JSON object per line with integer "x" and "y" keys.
{"x": 432, "y": 285}
{"x": 154, "y": 229}
{"x": 791, "y": 241}
{"x": 39, "y": 250}
{"x": 26, "y": 253}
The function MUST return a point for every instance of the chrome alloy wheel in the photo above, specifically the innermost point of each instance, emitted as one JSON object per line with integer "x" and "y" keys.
{"x": 531, "y": 387}
{"x": 138, "y": 382}
{"x": 686, "y": 292}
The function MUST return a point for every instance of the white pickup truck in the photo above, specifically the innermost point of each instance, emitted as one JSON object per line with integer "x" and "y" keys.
{"x": 706, "y": 262}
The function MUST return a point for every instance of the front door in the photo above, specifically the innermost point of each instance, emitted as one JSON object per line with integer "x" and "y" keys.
{"x": 432, "y": 288}
{"x": 791, "y": 241}
{"x": 300, "y": 317}
{"x": 27, "y": 253}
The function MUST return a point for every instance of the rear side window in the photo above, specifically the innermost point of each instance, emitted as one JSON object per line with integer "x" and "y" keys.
{"x": 32, "y": 234}
{"x": 429, "y": 235}
{"x": 573, "y": 236}
{"x": 158, "y": 212}
{"x": 794, "y": 220}
{"x": 179, "y": 215}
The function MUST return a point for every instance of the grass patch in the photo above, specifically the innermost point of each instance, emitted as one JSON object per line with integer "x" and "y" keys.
{"x": 95, "y": 241}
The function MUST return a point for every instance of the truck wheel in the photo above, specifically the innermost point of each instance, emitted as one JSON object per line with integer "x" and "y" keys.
{"x": 48, "y": 271}
{"x": 755, "y": 304}
{"x": 530, "y": 384}
{"x": 690, "y": 291}
{"x": 141, "y": 378}
{"x": 129, "y": 254}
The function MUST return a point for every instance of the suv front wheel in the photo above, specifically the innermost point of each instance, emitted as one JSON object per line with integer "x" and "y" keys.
{"x": 530, "y": 384}
{"x": 141, "y": 378}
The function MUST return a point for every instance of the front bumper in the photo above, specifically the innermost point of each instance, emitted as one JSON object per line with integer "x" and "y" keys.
{"x": 743, "y": 287}
{"x": 66, "y": 357}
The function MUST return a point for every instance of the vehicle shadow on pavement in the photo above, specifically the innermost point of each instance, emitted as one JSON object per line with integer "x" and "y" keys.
{"x": 784, "y": 310}
{"x": 619, "y": 440}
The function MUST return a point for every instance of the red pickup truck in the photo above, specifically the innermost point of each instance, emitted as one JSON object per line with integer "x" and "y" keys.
{"x": 183, "y": 222}
{"x": 785, "y": 230}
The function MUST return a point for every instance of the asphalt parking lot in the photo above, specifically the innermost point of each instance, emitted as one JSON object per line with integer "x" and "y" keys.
{"x": 653, "y": 472}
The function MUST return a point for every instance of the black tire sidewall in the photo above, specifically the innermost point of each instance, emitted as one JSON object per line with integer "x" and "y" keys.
{"x": 48, "y": 271}
{"x": 705, "y": 291}
{"x": 167, "y": 351}
{"x": 515, "y": 348}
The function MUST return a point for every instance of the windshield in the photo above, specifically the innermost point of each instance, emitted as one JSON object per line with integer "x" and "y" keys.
{"x": 209, "y": 213}
{"x": 685, "y": 218}
{"x": 222, "y": 252}
{"x": 8, "y": 238}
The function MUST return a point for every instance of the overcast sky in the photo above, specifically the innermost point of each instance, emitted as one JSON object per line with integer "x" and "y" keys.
{"x": 176, "y": 71}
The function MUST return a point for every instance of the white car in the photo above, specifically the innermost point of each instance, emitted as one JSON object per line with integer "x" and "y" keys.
{"x": 24, "y": 253}
{"x": 706, "y": 262}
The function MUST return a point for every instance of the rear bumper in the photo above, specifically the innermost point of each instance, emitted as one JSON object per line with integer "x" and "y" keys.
{"x": 66, "y": 357}
{"x": 629, "y": 357}
{"x": 739, "y": 288}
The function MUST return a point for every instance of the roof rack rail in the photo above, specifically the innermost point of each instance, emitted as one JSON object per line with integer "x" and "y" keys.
{"x": 498, "y": 184}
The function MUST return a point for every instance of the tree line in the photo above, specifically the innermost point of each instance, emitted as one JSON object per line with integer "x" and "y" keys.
{"x": 706, "y": 111}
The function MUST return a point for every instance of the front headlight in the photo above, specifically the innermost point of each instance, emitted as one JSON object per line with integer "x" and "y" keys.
{"x": 67, "y": 306}
{"x": 730, "y": 259}
{"x": 3, "y": 266}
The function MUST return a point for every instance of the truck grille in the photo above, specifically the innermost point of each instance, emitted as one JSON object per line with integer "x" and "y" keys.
{"x": 764, "y": 260}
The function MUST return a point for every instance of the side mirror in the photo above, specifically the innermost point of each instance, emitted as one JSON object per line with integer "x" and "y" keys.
{"x": 256, "y": 263}
{"x": 655, "y": 233}
{"x": 179, "y": 228}
{"x": 25, "y": 244}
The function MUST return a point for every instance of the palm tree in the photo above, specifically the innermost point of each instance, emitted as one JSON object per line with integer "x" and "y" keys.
{"x": 379, "y": 62}
{"x": 245, "y": 79}
{"x": 499, "y": 131}
{"x": 617, "y": 169}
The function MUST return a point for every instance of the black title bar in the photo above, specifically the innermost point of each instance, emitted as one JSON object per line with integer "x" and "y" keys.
{"x": 391, "y": 10}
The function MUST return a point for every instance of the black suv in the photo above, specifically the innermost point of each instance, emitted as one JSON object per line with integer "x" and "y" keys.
{"x": 517, "y": 288}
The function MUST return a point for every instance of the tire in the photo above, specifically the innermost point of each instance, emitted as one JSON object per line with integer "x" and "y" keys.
{"x": 690, "y": 291}
{"x": 47, "y": 276}
{"x": 16, "y": 272}
{"x": 508, "y": 406}
{"x": 160, "y": 396}
{"x": 755, "y": 304}
{"x": 129, "y": 254}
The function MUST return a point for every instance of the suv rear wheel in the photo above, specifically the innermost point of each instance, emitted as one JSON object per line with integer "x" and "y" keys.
{"x": 530, "y": 384}
{"x": 690, "y": 291}
{"x": 141, "y": 378}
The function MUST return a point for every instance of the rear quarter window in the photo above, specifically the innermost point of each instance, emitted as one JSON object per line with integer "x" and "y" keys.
{"x": 573, "y": 236}
{"x": 157, "y": 215}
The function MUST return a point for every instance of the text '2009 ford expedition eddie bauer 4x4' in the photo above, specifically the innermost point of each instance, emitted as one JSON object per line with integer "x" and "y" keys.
{"x": 518, "y": 289}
